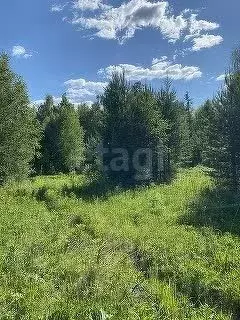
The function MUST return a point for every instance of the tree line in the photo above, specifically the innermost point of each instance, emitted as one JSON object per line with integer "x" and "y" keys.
{"x": 128, "y": 117}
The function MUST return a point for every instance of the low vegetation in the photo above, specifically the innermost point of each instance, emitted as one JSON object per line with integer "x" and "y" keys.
{"x": 144, "y": 253}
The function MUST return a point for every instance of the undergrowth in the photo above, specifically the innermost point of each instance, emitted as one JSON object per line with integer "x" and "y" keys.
{"x": 69, "y": 251}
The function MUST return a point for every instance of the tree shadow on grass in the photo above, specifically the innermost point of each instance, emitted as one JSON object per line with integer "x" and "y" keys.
{"x": 92, "y": 190}
{"x": 102, "y": 189}
{"x": 218, "y": 208}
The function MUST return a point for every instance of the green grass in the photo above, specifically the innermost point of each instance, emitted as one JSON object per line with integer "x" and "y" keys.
{"x": 159, "y": 252}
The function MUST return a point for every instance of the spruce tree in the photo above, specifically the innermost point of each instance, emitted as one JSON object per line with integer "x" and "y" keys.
{"x": 186, "y": 137}
{"x": 133, "y": 123}
{"x": 228, "y": 107}
{"x": 206, "y": 134}
{"x": 50, "y": 159}
{"x": 218, "y": 130}
{"x": 70, "y": 136}
{"x": 92, "y": 121}
{"x": 169, "y": 108}
{"x": 185, "y": 112}
{"x": 19, "y": 129}
{"x": 188, "y": 108}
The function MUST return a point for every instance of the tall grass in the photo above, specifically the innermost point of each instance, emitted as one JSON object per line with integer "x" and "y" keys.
{"x": 130, "y": 254}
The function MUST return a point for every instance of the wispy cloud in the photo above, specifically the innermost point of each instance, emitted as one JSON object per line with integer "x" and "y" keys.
{"x": 58, "y": 7}
{"x": 90, "y": 5}
{"x": 20, "y": 51}
{"x": 197, "y": 26}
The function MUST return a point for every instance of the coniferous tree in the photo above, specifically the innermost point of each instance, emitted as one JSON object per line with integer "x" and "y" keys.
{"x": 228, "y": 116}
{"x": 148, "y": 128}
{"x": 92, "y": 121}
{"x": 188, "y": 108}
{"x": 186, "y": 143}
{"x": 50, "y": 159}
{"x": 169, "y": 108}
{"x": 19, "y": 129}
{"x": 70, "y": 136}
{"x": 186, "y": 132}
{"x": 133, "y": 123}
{"x": 206, "y": 134}
{"x": 217, "y": 133}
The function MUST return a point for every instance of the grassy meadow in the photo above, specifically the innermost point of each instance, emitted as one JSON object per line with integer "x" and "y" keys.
{"x": 70, "y": 250}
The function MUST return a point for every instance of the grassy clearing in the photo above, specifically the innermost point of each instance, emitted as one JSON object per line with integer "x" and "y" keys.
{"x": 158, "y": 252}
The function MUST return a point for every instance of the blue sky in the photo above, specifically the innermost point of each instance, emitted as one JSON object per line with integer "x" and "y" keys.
{"x": 73, "y": 46}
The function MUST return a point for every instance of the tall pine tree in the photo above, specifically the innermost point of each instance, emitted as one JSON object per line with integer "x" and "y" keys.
{"x": 92, "y": 121}
{"x": 71, "y": 137}
{"x": 228, "y": 107}
{"x": 19, "y": 129}
{"x": 218, "y": 130}
{"x": 133, "y": 124}
{"x": 50, "y": 159}
{"x": 169, "y": 109}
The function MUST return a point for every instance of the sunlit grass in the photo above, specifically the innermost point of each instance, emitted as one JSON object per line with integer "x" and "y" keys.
{"x": 125, "y": 256}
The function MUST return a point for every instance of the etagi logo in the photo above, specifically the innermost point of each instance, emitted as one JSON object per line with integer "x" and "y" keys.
{"x": 143, "y": 161}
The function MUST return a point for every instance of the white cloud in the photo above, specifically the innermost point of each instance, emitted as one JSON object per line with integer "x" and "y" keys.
{"x": 81, "y": 90}
{"x": 120, "y": 23}
{"x": 160, "y": 68}
{"x": 90, "y": 5}
{"x": 206, "y": 41}
{"x": 57, "y": 8}
{"x": 221, "y": 77}
{"x": 196, "y": 26}
{"x": 19, "y": 51}
{"x": 156, "y": 60}
{"x": 27, "y": 55}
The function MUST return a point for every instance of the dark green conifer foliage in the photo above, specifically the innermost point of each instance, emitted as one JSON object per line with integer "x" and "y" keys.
{"x": 217, "y": 127}
{"x": 92, "y": 121}
{"x": 70, "y": 136}
{"x": 50, "y": 160}
{"x": 205, "y": 134}
{"x": 186, "y": 133}
{"x": 133, "y": 122}
{"x": 169, "y": 109}
{"x": 19, "y": 129}
{"x": 228, "y": 116}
